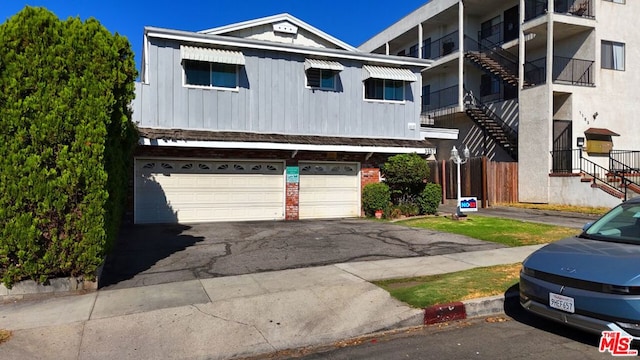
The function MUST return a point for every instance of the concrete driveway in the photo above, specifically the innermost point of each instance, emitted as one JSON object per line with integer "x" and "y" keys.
{"x": 156, "y": 254}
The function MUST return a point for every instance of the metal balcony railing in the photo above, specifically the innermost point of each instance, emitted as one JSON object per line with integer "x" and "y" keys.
{"x": 444, "y": 98}
{"x": 565, "y": 71}
{"x": 441, "y": 47}
{"x": 536, "y": 8}
{"x": 491, "y": 35}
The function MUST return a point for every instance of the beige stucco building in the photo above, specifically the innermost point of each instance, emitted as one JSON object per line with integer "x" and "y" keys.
{"x": 549, "y": 84}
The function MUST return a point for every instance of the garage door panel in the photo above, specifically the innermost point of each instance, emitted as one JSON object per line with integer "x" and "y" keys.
{"x": 203, "y": 191}
{"x": 329, "y": 190}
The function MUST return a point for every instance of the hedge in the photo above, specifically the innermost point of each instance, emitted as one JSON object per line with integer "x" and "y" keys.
{"x": 65, "y": 144}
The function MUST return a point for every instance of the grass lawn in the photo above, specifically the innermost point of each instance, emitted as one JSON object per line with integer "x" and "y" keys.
{"x": 425, "y": 291}
{"x": 504, "y": 231}
{"x": 570, "y": 208}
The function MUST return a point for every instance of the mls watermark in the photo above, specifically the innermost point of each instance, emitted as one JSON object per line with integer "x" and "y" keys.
{"x": 616, "y": 343}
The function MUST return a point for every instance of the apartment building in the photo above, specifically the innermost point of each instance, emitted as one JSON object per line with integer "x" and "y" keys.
{"x": 268, "y": 119}
{"x": 550, "y": 84}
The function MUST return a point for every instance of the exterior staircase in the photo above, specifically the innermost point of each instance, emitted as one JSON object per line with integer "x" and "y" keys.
{"x": 492, "y": 66}
{"x": 503, "y": 134}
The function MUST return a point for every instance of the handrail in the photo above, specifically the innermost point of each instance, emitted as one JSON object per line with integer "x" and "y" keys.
{"x": 537, "y": 8}
{"x": 561, "y": 164}
{"x": 495, "y": 52}
{"x": 565, "y": 70}
{"x": 474, "y": 101}
{"x": 629, "y": 158}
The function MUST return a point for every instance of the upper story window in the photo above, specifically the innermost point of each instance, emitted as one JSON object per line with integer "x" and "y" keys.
{"x": 202, "y": 73}
{"x": 383, "y": 89}
{"x": 612, "y": 55}
{"x": 322, "y": 74}
{"x": 386, "y": 84}
{"x": 206, "y": 67}
{"x": 413, "y": 51}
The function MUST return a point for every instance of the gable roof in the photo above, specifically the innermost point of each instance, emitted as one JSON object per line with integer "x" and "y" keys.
{"x": 222, "y": 30}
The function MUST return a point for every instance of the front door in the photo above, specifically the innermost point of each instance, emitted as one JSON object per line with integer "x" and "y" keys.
{"x": 562, "y": 161}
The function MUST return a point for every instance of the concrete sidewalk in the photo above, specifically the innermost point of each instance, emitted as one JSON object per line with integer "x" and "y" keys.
{"x": 228, "y": 317}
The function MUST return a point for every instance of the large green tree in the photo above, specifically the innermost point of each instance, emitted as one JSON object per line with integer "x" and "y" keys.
{"x": 66, "y": 139}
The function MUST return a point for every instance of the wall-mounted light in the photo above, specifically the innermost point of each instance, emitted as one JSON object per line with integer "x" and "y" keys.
{"x": 580, "y": 142}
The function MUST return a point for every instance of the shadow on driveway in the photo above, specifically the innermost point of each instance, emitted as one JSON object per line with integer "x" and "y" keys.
{"x": 155, "y": 254}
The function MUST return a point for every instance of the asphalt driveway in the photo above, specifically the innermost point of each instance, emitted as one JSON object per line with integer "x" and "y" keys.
{"x": 156, "y": 254}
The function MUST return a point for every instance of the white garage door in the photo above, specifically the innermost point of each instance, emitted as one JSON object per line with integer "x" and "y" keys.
{"x": 329, "y": 190}
{"x": 169, "y": 191}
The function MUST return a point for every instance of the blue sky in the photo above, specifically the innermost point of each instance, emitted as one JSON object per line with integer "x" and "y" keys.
{"x": 350, "y": 21}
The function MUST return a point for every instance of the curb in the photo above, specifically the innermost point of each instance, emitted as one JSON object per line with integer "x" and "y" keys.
{"x": 466, "y": 309}
{"x": 28, "y": 289}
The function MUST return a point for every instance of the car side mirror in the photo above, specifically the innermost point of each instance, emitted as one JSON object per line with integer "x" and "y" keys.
{"x": 587, "y": 225}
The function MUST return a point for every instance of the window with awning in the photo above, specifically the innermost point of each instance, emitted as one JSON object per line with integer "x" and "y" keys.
{"x": 322, "y": 74}
{"x": 209, "y": 67}
{"x": 386, "y": 83}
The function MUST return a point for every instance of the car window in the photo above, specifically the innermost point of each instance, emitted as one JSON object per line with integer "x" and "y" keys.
{"x": 622, "y": 223}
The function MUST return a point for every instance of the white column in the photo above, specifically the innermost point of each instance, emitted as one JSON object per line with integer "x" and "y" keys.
{"x": 461, "y": 55}
{"x": 420, "y": 41}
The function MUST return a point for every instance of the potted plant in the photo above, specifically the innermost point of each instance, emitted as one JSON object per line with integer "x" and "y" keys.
{"x": 375, "y": 199}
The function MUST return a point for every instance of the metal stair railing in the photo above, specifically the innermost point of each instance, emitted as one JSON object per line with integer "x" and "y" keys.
{"x": 471, "y": 101}
{"x": 504, "y": 58}
{"x": 621, "y": 170}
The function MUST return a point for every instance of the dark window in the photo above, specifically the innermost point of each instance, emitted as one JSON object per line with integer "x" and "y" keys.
{"x": 413, "y": 51}
{"x": 202, "y": 73}
{"x": 426, "y": 95}
{"x": 489, "y": 85}
{"x": 401, "y": 53}
{"x": 379, "y": 89}
{"x": 321, "y": 78}
{"x": 426, "y": 49}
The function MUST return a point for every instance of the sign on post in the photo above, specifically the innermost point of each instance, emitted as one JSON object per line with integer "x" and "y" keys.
{"x": 468, "y": 204}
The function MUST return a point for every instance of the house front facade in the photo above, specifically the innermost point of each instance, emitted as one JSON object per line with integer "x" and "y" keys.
{"x": 269, "y": 119}
{"x": 549, "y": 84}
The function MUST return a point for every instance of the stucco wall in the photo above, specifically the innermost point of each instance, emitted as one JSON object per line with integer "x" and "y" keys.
{"x": 571, "y": 191}
{"x": 533, "y": 142}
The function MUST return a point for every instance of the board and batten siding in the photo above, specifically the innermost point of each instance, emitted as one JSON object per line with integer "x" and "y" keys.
{"x": 272, "y": 98}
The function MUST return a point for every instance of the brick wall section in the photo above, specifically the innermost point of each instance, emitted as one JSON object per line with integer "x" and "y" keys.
{"x": 369, "y": 176}
{"x": 292, "y": 207}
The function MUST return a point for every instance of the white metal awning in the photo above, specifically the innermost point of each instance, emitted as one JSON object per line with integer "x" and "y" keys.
{"x": 387, "y": 73}
{"x": 322, "y": 64}
{"x": 211, "y": 55}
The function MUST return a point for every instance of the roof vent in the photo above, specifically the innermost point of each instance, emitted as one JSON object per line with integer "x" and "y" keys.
{"x": 285, "y": 27}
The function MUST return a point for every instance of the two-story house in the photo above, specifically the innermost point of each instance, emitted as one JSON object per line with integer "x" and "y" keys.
{"x": 267, "y": 119}
{"x": 549, "y": 84}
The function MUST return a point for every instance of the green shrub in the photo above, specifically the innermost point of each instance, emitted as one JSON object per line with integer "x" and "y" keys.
{"x": 405, "y": 174}
{"x": 430, "y": 198}
{"x": 65, "y": 144}
{"x": 409, "y": 208}
{"x": 375, "y": 196}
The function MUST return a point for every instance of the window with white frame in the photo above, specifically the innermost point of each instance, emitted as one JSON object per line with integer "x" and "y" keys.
{"x": 209, "y": 67}
{"x": 384, "y": 89}
{"x": 386, "y": 83}
{"x": 612, "y": 55}
{"x": 322, "y": 74}
{"x": 617, "y": 1}
{"x": 202, "y": 73}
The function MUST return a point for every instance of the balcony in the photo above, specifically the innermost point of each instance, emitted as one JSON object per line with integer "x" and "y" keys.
{"x": 569, "y": 71}
{"x": 443, "y": 46}
{"x": 437, "y": 104}
{"x": 537, "y": 8}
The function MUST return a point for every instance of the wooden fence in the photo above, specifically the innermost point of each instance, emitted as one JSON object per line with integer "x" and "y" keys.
{"x": 489, "y": 181}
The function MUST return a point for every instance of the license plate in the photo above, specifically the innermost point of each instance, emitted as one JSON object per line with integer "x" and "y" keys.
{"x": 561, "y": 302}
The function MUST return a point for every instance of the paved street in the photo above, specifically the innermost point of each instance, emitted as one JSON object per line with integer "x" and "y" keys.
{"x": 511, "y": 335}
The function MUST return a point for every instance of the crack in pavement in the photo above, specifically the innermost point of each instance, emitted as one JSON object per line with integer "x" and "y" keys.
{"x": 236, "y": 322}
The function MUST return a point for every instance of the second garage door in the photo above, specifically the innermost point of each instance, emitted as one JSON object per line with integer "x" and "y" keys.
{"x": 329, "y": 190}
{"x": 169, "y": 191}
